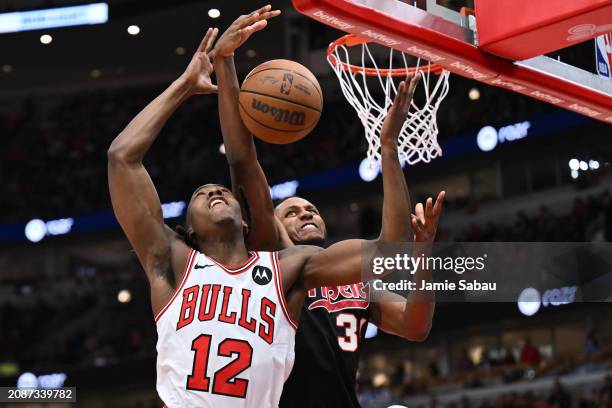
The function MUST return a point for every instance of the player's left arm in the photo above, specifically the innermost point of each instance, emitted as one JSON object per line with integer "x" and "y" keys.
{"x": 411, "y": 318}
{"x": 248, "y": 179}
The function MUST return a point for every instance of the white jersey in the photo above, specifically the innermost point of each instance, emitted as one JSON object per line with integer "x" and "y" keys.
{"x": 225, "y": 338}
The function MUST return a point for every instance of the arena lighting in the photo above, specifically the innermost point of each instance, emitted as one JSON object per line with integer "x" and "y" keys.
{"x": 369, "y": 172}
{"x": 124, "y": 296}
{"x": 371, "y": 331}
{"x": 575, "y": 174}
{"x": 46, "y": 39}
{"x": 284, "y": 190}
{"x": 96, "y": 13}
{"x": 488, "y": 137}
{"x": 36, "y": 229}
{"x": 173, "y": 209}
{"x": 214, "y": 13}
{"x": 529, "y": 301}
{"x": 133, "y": 30}
{"x": 49, "y": 381}
{"x": 474, "y": 94}
{"x": 574, "y": 164}
{"x": 380, "y": 379}
{"x": 593, "y": 164}
{"x": 583, "y": 165}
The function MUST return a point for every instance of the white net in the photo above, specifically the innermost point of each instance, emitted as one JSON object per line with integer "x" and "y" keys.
{"x": 417, "y": 141}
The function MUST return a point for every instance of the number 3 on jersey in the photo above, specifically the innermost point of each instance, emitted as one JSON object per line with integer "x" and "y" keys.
{"x": 224, "y": 380}
{"x": 350, "y": 341}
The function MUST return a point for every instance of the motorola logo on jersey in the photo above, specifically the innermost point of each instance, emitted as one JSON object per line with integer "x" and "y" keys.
{"x": 261, "y": 275}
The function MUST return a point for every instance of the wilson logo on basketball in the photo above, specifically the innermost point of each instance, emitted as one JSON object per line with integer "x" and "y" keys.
{"x": 280, "y": 115}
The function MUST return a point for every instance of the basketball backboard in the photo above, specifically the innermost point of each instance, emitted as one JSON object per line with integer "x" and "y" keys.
{"x": 450, "y": 38}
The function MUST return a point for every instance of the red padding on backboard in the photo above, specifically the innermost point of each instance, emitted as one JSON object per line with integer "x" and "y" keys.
{"x": 406, "y": 29}
{"x": 522, "y": 29}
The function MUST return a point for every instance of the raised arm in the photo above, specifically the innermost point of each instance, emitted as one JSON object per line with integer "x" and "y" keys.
{"x": 248, "y": 179}
{"x": 409, "y": 318}
{"x": 396, "y": 226}
{"x": 133, "y": 195}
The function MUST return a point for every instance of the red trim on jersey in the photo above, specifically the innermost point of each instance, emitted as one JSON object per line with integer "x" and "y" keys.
{"x": 188, "y": 266}
{"x": 233, "y": 270}
{"x": 280, "y": 291}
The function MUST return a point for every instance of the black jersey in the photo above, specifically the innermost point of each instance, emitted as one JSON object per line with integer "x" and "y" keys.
{"x": 327, "y": 346}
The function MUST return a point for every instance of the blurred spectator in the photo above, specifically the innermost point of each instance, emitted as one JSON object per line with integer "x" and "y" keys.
{"x": 530, "y": 355}
{"x": 591, "y": 344}
{"x": 465, "y": 362}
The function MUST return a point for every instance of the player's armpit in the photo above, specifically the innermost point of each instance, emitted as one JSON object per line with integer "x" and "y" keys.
{"x": 410, "y": 320}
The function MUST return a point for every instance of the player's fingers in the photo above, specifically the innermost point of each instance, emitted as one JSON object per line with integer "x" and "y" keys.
{"x": 211, "y": 39}
{"x": 428, "y": 208}
{"x": 399, "y": 96}
{"x": 259, "y": 25}
{"x": 420, "y": 223}
{"x": 415, "y": 224}
{"x": 263, "y": 13}
{"x": 413, "y": 84}
{"x": 260, "y": 10}
{"x": 204, "y": 41}
{"x": 213, "y": 88}
{"x": 270, "y": 14}
{"x": 418, "y": 211}
{"x": 437, "y": 210}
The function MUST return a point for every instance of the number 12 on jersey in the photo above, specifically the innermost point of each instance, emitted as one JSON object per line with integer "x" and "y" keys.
{"x": 224, "y": 381}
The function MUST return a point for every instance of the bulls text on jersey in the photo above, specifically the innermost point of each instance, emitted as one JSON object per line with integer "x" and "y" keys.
{"x": 202, "y": 302}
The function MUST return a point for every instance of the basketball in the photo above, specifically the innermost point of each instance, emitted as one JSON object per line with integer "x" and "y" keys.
{"x": 280, "y": 101}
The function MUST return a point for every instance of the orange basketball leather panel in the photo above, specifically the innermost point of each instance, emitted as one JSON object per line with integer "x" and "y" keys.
{"x": 276, "y": 121}
{"x": 280, "y": 101}
{"x": 288, "y": 85}
{"x": 522, "y": 29}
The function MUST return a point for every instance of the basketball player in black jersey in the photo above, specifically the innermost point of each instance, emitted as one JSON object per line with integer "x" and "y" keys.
{"x": 333, "y": 319}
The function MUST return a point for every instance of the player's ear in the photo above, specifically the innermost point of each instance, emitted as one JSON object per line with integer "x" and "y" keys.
{"x": 245, "y": 229}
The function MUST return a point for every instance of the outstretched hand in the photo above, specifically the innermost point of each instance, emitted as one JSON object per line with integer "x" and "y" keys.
{"x": 241, "y": 30}
{"x": 396, "y": 116}
{"x": 425, "y": 221}
{"x": 197, "y": 74}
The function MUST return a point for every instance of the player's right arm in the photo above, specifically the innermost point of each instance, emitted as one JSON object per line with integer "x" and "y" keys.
{"x": 133, "y": 195}
{"x": 248, "y": 179}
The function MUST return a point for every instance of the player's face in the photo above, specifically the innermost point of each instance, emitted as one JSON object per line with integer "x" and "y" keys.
{"x": 212, "y": 206}
{"x": 302, "y": 221}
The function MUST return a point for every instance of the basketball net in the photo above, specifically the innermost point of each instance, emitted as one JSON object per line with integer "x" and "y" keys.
{"x": 417, "y": 141}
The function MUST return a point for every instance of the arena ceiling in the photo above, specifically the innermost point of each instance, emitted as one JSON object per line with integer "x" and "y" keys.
{"x": 77, "y": 54}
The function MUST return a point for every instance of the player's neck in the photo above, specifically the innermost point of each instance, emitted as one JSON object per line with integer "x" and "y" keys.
{"x": 226, "y": 252}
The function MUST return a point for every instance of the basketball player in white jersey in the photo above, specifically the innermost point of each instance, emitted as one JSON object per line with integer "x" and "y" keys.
{"x": 332, "y": 319}
{"x": 225, "y": 316}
